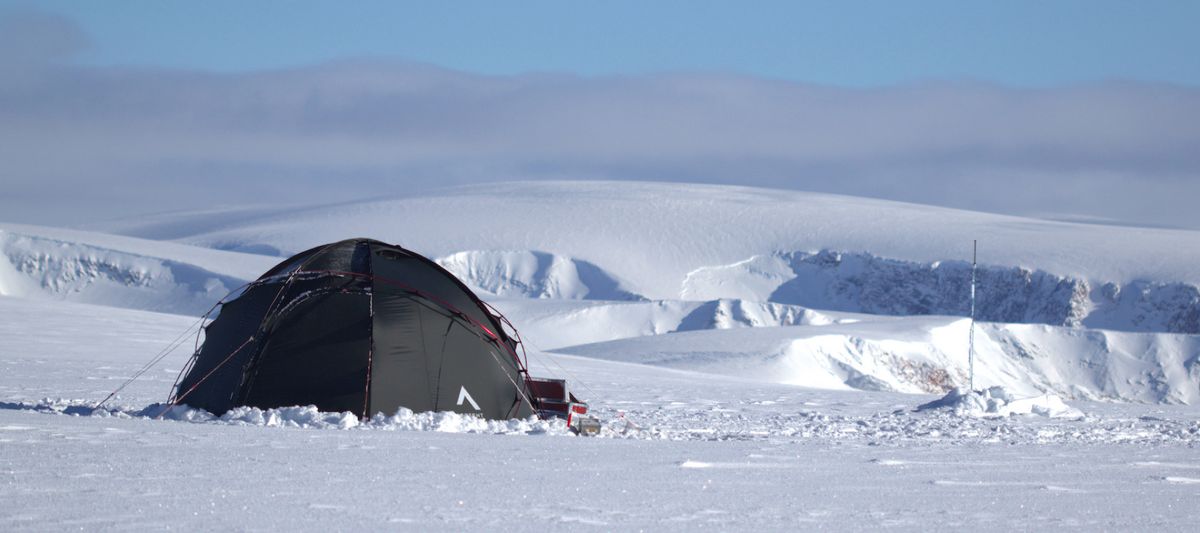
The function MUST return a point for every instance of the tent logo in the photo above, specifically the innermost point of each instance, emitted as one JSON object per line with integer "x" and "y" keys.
{"x": 464, "y": 395}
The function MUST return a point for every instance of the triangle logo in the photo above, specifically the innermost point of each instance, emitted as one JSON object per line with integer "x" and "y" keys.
{"x": 464, "y": 395}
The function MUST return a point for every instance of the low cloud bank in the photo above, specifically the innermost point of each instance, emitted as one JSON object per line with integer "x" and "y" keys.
{"x": 109, "y": 141}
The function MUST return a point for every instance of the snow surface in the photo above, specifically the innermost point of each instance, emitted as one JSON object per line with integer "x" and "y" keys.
{"x": 50, "y": 263}
{"x": 553, "y": 299}
{"x": 654, "y": 234}
{"x": 629, "y": 241}
{"x": 680, "y": 451}
{"x": 995, "y": 402}
{"x": 928, "y": 355}
{"x": 756, "y": 357}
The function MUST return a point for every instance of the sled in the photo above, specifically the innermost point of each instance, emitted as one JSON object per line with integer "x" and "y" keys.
{"x": 555, "y": 401}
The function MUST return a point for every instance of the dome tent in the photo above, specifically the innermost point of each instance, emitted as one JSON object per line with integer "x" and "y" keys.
{"x": 365, "y": 327}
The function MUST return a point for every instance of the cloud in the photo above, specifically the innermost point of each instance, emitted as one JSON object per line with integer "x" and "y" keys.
{"x": 35, "y": 38}
{"x": 106, "y": 141}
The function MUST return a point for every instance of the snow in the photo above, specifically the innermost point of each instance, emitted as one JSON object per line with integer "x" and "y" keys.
{"x": 681, "y": 450}
{"x": 534, "y": 275}
{"x": 237, "y": 265}
{"x": 658, "y": 242}
{"x": 757, "y": 359}
{"x": 49, "y": 263}
{"x": 654, "y": 241}
{"x": 653, "y": 235}
{"x": 998, "y": 402}
{"x": 925, "y": 355}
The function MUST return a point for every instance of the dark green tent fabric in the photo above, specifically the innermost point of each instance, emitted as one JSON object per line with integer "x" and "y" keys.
{"x": 358, "y": 326}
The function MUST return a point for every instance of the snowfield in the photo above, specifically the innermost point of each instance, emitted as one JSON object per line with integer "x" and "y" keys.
{"x": 50, "y": 263}
{"x": 705, "y": 242}
{"x": 759, "y": 360}
{"x": 680, "y": 451}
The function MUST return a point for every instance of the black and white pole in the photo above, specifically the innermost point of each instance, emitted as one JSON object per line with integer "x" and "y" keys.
{"x": 971, "y": 335}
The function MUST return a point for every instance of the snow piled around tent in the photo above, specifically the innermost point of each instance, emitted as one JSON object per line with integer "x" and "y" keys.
{"x": 996, "y": 402}
{"x": 404, "y": 420}
{"x": 309, "y": 417}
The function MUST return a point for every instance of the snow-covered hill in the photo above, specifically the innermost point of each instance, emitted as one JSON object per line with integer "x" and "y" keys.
{"x": 49, "y": 263}
{"x": 732, "y": 341}
{"x": 629, "y": 240}
{"x": 866, "y": 283}
{"x": 928, "y": 355}
{"x": 730, "y": 280}
{"x": 535, "y": 275}
{"x": 550, "y": 324}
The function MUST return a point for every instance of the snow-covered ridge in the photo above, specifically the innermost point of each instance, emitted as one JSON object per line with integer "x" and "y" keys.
{"x": 164, "y": 276}
{"x": 549, "y": 324}
{"x": 606, "y": 240}
{"x": 38, "y": 266}
{"x": 858, "y": 283}
{"x": 865, "y": 283}
{"x": 533, "y": 274}
{"x": 928, "y": 355}
{"x": 651, "y": 235}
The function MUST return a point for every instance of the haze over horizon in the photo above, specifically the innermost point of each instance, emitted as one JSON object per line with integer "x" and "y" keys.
{"x": 1049, "y": 111}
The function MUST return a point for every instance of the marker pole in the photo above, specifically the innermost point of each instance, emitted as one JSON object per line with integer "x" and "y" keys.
{"x": 971, "y": 335}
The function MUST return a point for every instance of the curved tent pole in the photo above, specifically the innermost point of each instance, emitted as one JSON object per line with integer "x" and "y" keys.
{"x": 196, "y": 343}
{"x": 493, "y": 336}
{"x": 270, "y": 310}
{"x": 520, "y": 342}
{"x": 171, "y": 347}
{"x": 370, "y": 338}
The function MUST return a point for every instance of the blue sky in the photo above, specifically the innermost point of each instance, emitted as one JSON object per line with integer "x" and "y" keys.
{"x": 847, "y": 43}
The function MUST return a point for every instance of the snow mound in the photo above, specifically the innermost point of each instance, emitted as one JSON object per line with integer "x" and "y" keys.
{"x": 551, "y": 324}
{"x": 532, "y": 274}
{"x": 635, "y": 241}
{"x": 404, "y": 420}
{"x": 604, "y": 240}
{"x": 996, "y": 402}
{"x": 304, "y": 417}
{"x": 705, "y": 420}
{"x": 37, "y": 263}
{"x": 626, "y": 227}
